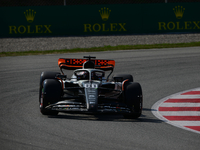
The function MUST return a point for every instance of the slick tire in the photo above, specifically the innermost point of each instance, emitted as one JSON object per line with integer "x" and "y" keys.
{"x": 43, "y": 76}
{"x": 134, "y": 100}
{"x": 47, "y": 75}
{"x": 51, "y": 93}
{"x": 125, "y": 76}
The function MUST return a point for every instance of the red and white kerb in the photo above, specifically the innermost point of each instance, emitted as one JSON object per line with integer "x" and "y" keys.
{"x": 181, "y": 110}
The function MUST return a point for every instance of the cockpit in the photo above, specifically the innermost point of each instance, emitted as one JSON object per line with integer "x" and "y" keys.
{"x": 90, "y": 74}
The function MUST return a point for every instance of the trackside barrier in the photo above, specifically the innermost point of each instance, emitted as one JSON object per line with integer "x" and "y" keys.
{"x": 115, "y": 19}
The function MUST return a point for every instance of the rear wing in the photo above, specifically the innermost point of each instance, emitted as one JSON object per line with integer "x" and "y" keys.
{"x": 71, "y": 64}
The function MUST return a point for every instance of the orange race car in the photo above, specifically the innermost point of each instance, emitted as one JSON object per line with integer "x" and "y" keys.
{"x": 88, "y": 90}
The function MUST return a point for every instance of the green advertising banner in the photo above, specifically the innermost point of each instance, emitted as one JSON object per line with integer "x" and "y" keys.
{"x": 173, "y": 17}
{"x": 99, "y": 19}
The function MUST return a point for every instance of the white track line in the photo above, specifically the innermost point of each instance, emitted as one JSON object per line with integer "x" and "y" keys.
{"x": 186, "y": 96}
{"x": 180, "y": 105}
{"x": 187, "y": 123}
{"x": 181, "y": 113}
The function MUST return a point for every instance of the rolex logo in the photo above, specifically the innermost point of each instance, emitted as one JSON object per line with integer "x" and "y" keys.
{"x": 105, "y": 13}
{"x": 179, "y": 11}
{"x": 30, "y": 15}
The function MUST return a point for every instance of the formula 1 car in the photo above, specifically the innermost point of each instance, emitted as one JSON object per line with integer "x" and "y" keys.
{"x": 88, "y": 90}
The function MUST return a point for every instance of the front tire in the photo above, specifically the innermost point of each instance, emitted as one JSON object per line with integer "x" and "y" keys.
{"x": 50, "y": 93}
{"x": 134, "y": 100}
{"x": 43, "y": 76}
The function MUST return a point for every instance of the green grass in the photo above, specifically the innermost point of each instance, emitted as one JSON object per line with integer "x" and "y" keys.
{"x": 97, "y": 49}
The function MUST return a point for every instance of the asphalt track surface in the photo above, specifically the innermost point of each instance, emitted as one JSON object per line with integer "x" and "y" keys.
{"x": 161, "y": 72}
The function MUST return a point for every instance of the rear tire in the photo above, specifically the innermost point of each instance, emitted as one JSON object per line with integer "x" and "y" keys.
{"x": 125, "y": 76}
{"x": 134, "y": 100}
{"x": 47, "y": 75}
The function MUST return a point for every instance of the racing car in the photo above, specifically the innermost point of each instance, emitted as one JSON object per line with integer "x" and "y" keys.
{"x": 89, "y": 89}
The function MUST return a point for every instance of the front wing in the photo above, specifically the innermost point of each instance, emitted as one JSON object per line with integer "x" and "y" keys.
{"x": 68, "y": 106}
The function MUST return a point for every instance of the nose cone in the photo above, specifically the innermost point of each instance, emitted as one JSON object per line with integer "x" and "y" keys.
{"x": 91, "y": 95}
